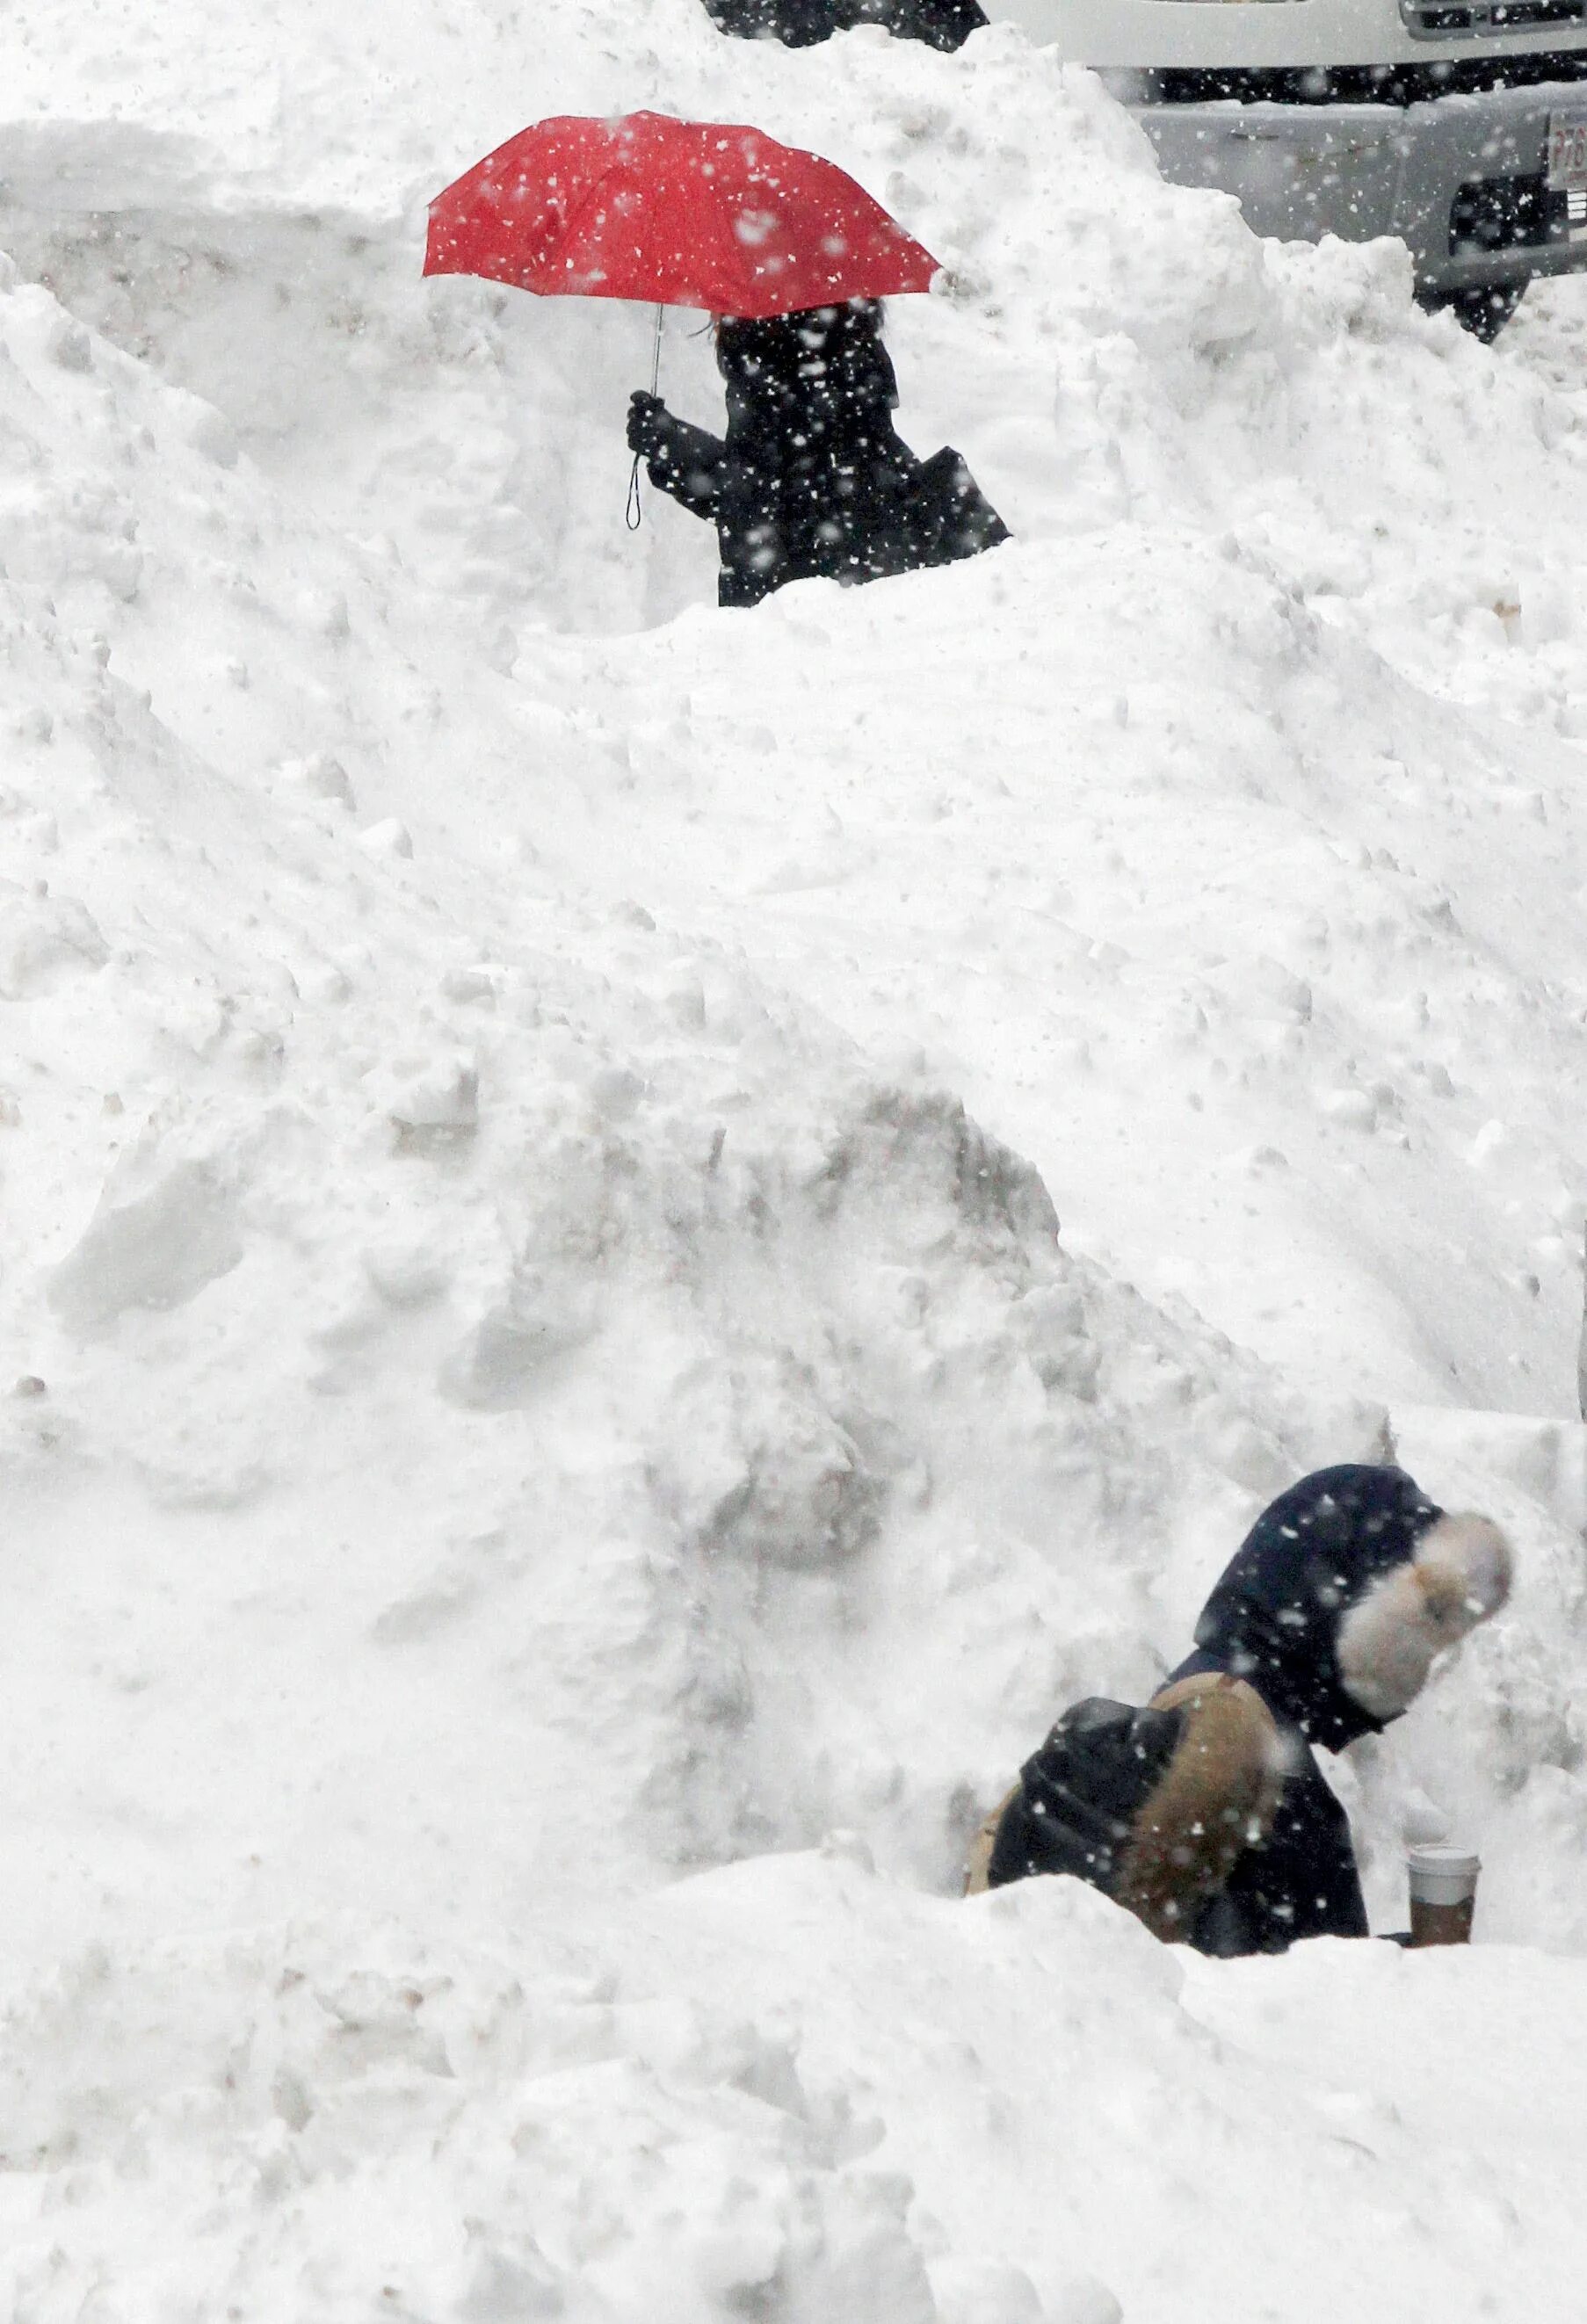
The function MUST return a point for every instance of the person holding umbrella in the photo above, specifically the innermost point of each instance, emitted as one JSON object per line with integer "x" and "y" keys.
{"x": 813, "y": 478}
{"x": 793, "y": 258}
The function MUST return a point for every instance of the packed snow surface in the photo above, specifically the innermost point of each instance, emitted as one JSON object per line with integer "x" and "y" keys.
{"x": 636, "y": 1239}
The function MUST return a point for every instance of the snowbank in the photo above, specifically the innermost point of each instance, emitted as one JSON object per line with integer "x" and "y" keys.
{"x": 1227, "y": 464}
{"x": 793, "y": 2089}
{"x": 569, "y": 1309}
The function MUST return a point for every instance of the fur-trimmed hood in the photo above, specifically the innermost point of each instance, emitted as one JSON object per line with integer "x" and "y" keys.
{"x": 1343, "y": 1593}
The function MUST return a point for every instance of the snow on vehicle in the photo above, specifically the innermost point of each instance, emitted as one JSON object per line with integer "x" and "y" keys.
{"x": 1458, "y": 125}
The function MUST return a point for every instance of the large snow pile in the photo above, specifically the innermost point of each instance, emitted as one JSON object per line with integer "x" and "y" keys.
{"x": 530, "y": 1118}
{"x": 1273, "y": 525}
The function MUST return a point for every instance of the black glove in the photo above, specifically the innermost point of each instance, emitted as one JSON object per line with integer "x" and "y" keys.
{"x": 649, "y": 425}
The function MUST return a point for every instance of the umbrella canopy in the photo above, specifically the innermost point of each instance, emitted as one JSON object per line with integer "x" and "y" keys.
{"x": 678, "y": 213}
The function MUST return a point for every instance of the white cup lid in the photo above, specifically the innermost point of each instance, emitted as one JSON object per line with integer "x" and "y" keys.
{"x": 1465, "y": 1861}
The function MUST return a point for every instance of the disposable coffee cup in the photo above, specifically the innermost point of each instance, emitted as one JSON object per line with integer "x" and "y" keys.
{"x": 1444, "y": 1895}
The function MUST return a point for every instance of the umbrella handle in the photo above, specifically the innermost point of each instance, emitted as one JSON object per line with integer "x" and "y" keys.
{"x": 633, "y": 514}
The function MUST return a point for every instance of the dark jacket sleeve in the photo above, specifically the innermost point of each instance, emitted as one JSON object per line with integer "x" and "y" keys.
{"x": 689, "y": 467}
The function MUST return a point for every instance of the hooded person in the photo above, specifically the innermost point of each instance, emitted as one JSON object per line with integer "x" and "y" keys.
{"x": 1207, "y": 1813}
{"x": 812, "y": 478}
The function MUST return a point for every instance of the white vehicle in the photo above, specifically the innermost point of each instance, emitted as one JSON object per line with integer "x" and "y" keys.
{"x": 1459, "y": 125}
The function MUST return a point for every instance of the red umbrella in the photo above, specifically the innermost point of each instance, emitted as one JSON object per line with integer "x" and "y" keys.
{"x": 684, "y": 213}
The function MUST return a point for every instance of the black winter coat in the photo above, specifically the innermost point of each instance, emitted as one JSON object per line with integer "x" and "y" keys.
{"x": 1273, "y": 1621}
{"x": 801, "y": 23}
{"x": 813, "y": 478}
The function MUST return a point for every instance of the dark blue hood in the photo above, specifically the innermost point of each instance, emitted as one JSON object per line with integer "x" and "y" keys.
{"x": 1274, "y": 1616}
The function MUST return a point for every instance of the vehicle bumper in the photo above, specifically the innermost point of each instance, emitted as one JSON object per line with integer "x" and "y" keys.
{"x": 1361, "y": 171}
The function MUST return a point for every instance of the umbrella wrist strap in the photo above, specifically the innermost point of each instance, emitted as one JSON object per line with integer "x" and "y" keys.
{"x": 633, "y": 514}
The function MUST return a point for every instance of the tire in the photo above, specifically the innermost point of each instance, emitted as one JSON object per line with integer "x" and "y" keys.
{"x": 1484, "y": 313}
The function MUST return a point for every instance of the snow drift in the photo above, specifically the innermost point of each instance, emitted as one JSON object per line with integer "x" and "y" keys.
{"x": 541, "y": 1355}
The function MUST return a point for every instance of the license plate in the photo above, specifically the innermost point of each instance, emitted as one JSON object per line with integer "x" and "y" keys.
{"x": 1567, "y": 150}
